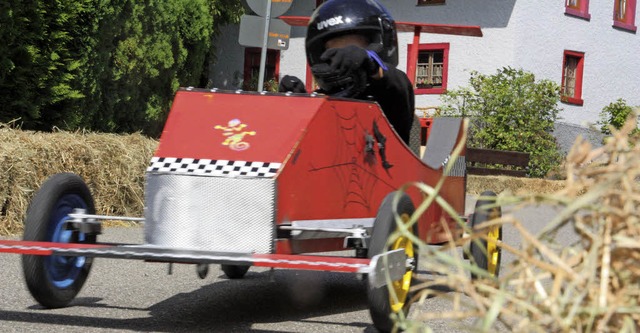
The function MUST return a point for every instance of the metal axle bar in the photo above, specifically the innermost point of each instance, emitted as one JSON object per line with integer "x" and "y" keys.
{"x": 79, "y": 215}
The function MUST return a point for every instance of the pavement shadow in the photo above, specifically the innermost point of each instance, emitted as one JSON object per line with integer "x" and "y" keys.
{"x": 261, "y": 298}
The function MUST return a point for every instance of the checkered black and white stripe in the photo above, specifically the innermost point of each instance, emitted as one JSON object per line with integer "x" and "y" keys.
{"x": 205, "y": 167}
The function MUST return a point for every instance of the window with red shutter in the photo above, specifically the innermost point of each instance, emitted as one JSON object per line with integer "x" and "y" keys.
{"x": 572, "y": 74}
{"x": 578, "y": 8}
{"x": 624, "y": 15}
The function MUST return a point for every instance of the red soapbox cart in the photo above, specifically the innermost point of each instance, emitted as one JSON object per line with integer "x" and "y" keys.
{"x": 264, "y": 179}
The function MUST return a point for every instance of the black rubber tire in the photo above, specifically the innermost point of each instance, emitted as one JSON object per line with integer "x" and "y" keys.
{"x": 482, "y": 214}
{"x": 234, "y": 271}
{"x": 44, "y": 216}
{"x": 383, "y": 226}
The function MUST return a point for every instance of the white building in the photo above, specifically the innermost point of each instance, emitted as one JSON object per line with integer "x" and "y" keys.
{"x": 589, "y": 47}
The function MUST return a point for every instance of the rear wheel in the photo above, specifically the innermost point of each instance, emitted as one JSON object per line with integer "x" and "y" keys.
{"x": 54, "y": 281}
{"x": 381, "y": 303}
{"x": 486, "y": 253}
{"x": 234, "y": 271}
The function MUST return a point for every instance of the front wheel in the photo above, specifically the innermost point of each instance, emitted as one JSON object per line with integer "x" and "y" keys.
{"x": 486, "y": 253}
{"x": 234, "y": 271}
{"x": 382, "y": 305}
{"x": 54, "y": 281}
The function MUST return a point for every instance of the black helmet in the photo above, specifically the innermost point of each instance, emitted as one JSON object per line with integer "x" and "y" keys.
{"x": 364, "y": 17}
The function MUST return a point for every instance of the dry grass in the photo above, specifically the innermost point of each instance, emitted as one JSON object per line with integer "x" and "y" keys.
{"x": 112, "y": 165}
{"x": 589, "y": 285}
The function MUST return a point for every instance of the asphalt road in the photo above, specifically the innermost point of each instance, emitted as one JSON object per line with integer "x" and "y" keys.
{"x": 125, "y": 295}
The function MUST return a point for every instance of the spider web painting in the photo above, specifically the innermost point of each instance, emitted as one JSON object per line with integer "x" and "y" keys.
{"x": 353, "y": 165}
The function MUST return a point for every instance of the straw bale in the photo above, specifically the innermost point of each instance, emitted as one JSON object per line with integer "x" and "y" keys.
{"x": 112, "y": 165}
{"x": 514, "y": 185}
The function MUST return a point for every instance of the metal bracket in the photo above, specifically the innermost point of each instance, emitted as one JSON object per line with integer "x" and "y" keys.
{"x": 393, "y": 264}
{"x": 83, "y": 222}
{"x": 358, "y": 239}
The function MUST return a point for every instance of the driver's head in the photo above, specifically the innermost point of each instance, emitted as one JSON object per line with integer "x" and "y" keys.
{"x": 338, "y": 23}
{"x": 346, "y": 40}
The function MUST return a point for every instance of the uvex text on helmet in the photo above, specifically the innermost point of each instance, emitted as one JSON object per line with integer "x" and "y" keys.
{"x": 340, "y": 17}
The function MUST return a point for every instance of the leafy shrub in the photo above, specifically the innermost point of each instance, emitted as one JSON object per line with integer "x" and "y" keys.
{"x": 109, "y": 66}
{"x": 510, "y": 110}
{"x": 615, "y": 115}
{"x": 269, "y": 85}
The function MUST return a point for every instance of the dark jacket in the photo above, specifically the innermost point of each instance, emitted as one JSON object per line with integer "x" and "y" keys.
{"x": 394, "y": 93}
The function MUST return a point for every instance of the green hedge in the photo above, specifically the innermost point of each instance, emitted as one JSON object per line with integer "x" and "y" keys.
{"x": 109, "y": 65}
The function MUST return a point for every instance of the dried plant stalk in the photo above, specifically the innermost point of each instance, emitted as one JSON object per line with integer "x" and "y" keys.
{"x": 589, "y": 285}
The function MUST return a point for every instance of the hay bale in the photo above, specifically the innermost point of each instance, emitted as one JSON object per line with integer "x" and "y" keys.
{"x": 112, "y": 165}
{"x": 514, "y": 185}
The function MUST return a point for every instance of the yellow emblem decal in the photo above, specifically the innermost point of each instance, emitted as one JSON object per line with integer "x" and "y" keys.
{"x": 234, "y": 133}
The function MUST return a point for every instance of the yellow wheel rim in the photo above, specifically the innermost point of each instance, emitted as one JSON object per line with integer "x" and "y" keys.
{"x": 493, "y": 251}
{"x": 401, "y": 287}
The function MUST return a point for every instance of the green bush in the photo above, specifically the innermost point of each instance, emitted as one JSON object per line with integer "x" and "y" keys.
{"x": 510, "y": 110}
{"x": 615, "y": 115}
{"x": 109, "y": 66}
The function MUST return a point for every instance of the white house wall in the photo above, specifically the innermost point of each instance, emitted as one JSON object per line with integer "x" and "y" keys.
{"x": 611, "y": 61}
{"x": 525, "y": 34}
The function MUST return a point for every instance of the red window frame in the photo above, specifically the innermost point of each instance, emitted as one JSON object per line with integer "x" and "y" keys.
{"x": 625, "y": 20}
{"x": 579, "y": 74}
{"x": 579, "y": 9}
{"x": 252, "y": 59}
{"x": 412, "y": 67}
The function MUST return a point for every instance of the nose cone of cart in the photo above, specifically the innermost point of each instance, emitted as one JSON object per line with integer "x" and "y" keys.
{"x": 232, "y": 135}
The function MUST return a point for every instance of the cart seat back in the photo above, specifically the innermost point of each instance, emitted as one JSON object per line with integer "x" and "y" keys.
{"x": 442, "y": 139}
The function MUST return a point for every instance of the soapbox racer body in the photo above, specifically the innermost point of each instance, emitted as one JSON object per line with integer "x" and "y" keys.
{"x": 258, "y": 179}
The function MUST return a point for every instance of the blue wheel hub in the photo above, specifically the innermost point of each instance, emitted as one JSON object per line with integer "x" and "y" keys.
{"x": 63, "y": 271}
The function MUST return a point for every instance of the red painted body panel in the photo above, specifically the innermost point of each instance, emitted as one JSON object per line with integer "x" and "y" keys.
{"x": 331, "y": 176}
{"x": 199, "y": 121}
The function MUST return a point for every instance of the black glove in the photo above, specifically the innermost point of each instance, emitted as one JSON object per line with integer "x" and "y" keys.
{"x": 348, "y": 59}
{"x": 334, "y": 84}
{"x": 345, "y": 71}
{"x": 292, "y": 84}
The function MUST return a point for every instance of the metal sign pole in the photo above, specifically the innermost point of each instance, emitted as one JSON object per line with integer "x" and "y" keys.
{"x": 263, "y": 55}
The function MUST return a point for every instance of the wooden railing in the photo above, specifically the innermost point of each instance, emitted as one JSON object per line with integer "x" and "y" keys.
{"x": 482, "y": 162}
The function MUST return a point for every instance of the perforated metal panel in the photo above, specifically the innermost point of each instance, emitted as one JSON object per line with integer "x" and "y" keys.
{"x": 210, "y": 213}
{"x": 414, "y": 135}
